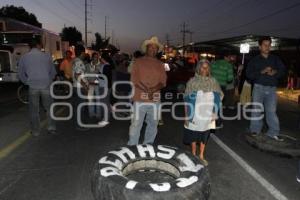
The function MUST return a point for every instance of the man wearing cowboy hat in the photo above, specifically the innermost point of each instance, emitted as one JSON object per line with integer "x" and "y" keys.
{"x": 148, "y": 77}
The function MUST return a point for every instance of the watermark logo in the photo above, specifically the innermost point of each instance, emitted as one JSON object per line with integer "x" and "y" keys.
{"x": 200, "y": 111}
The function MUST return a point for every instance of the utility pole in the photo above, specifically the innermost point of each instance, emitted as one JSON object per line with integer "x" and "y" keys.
{"x": 117, "y": 44}
{"x": 112, "y": 37}
{"x": 184, "y": 31}
{"x": 85, "y": 22}
{"x": 167, "y": 39}
{"x": 191, "y": 36}
{"x": 105, "y": 27}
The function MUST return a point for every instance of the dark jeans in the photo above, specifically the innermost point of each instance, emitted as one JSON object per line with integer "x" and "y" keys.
{"x": 106, "y": 101}
{"x": 267, "y": 97}
{"x": 35, "y": 95}
{"x": 228, "y": 96}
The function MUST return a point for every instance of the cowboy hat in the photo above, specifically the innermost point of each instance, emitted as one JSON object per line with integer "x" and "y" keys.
{"x": 153, "y": 40}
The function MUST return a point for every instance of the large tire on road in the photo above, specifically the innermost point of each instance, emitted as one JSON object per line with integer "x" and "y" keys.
{"x": 111, "y": 175}
{"x": 290, "y": 147}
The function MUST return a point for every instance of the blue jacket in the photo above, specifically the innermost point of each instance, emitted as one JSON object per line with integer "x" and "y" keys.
{"x": 213, "y": 101}
{"x": 36, "y": 69}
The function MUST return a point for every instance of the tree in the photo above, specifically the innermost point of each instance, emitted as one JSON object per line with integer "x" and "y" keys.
{"x": 19, "y": 13}
{"x": 100, "y": 42}
{"x": 71, "y": 34}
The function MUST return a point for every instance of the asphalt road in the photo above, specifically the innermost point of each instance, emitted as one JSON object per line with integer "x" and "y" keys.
{"x": 8, "y": 98}
{"x": 59, "y": 167}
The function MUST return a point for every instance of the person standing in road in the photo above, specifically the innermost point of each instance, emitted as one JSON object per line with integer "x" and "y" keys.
{"x": 66, "y": 66}
{"x": 80, "y": 86}
{"x": 37, "y": 70}
{"x": 149, "y": 77}
{"x": 264, "y": 71}
{"x": 97, "y": 86}
{"x": 92, "y": 70}
{"x": 203, "y": 95}
{"x": 222, "y": 71}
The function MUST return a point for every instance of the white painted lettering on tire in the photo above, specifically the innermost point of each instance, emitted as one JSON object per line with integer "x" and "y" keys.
{"x": 160, "y": 187}
{"x": 142, "y": 149}
{"x": 117, "y": 163}
{"x": 167, "y": 153}
{"x": 131, "y": 184}
{"x": 188, "y": 164}
{"x": 110, "y": 171}
{"x": 121, "y": 154}
{"x": 184, "y": 182}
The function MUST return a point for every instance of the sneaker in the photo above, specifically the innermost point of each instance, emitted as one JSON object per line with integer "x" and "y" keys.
{"x": 276, "y": 138}
{"x": 254, "y": 134}
{"x": 160, "y": 122}
{"x": 298, "y": 179}
{"x": 103, "y": 123}
{"x": 219, "y": 126}
{"x": 35, "y": 134}
{"x": 205, "y": 163}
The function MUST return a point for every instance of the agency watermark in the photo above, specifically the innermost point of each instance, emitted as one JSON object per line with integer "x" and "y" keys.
{"x": 204, "y": 111}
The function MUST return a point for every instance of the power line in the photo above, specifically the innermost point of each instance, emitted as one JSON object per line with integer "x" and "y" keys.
{"x": 266, "y": 16}
{"x": 68, "y": 9}
{"x": 78, "y": 5}
{"x": 218, "y": 3}
{"x": 260, "y": 18}
{"x": 39, "y": 4}
{"x": 211, "y": 7}
{"x": 237, "y": 6}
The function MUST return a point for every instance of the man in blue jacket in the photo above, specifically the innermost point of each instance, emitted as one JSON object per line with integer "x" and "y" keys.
{"x": 36, "y": 70}
{"x": 264, "y": 71}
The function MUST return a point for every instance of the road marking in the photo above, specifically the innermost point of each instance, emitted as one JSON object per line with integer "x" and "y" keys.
{"x": 21, "y": 140}
{"x": 10, "y": 185}
{"x": 9, "y": 148}
{"x": 268, "y": 186}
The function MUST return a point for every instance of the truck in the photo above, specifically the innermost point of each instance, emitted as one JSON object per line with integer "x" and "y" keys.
{"x": 15, "y": 37}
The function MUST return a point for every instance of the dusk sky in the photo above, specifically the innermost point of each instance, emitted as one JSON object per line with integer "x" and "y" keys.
{"x": 134, "y": 20}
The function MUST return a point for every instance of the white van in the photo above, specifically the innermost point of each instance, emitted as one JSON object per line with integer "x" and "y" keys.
{"x": 15, "y": 37}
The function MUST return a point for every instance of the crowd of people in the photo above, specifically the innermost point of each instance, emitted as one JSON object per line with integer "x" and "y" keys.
{"x": 213, "y": 83}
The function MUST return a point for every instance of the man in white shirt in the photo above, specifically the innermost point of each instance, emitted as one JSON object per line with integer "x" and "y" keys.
{"x": 80, "y": 86}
